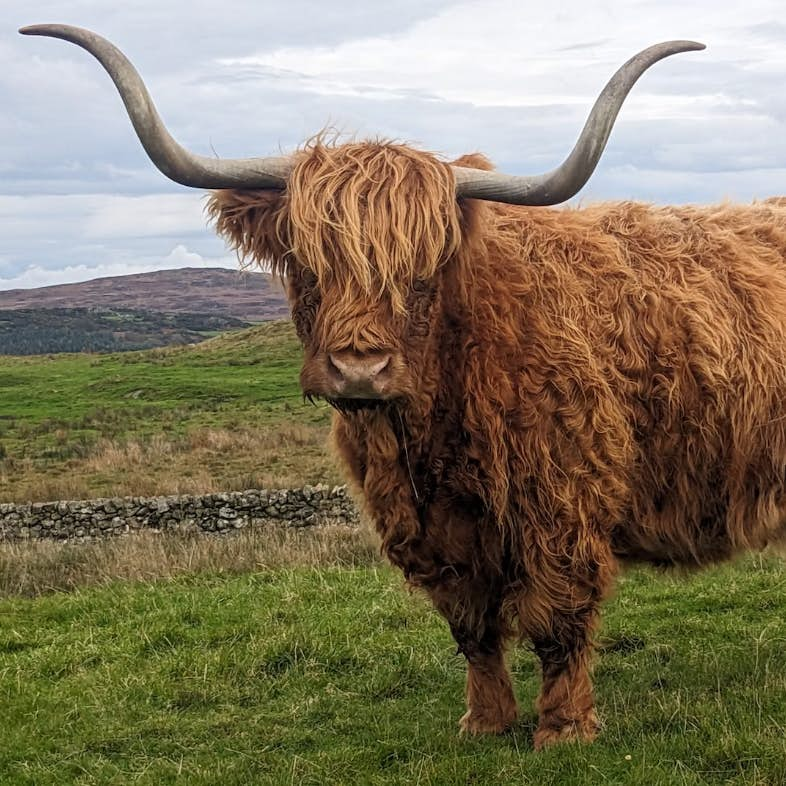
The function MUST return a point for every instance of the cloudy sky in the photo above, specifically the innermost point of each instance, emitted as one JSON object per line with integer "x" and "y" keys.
{"x": 79, "y": 199}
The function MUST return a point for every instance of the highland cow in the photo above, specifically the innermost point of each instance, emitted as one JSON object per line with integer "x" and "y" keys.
{"x": 525, "y": 396}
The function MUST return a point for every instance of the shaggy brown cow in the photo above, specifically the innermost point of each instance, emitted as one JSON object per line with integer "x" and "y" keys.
{"x": 525, "y": 396}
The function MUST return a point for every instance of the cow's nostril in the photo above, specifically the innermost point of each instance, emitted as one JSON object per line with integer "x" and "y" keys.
{"x": 382, "y": 365}
{"x": 333, "y": 367}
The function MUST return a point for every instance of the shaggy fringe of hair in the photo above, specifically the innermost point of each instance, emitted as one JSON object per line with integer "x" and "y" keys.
{"x": 372, "y": 217}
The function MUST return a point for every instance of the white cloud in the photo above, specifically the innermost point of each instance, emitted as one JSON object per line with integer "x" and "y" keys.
{"x": 180, "y": 256}
{"x": 79, "y": 236}
{"x": 94, "y": 218}
{"x": 492, "y": 53}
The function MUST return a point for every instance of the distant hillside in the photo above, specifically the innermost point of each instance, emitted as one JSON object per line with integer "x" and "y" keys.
{"x": 251, "y": 297}
{"x": 51, "y": 330}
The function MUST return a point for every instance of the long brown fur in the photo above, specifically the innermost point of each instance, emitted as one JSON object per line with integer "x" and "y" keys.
{"x": 578, "y": 387}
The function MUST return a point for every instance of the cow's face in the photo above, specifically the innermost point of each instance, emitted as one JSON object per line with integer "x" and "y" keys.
{"x": 361, "y": 235}
{"x": 361, "y": 350}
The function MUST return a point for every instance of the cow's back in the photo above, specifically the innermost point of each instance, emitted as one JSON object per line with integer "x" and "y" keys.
{"x": 651, "y": 369}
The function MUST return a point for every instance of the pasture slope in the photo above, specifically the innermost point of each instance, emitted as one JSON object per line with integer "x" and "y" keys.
{"x": 334, "y": 674}
{"x": 226, "y": 414}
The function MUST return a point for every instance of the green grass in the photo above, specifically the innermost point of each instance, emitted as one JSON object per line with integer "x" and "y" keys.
{"x": 60, "y": 410}
{"x": 340, "y": 676}
{"x": 220, "y": 381}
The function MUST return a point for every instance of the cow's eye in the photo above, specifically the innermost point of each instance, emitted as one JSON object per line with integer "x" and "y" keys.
{"x": 309, "y": 278}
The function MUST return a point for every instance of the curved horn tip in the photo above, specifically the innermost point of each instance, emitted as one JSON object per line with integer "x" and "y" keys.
{"x": 694, "y": 46}
{"x": 55, "y": 30}
{"x": 33, "y": 29}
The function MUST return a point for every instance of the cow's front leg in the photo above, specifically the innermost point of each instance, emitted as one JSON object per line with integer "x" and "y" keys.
{"x": 566, "y": 707}
{"x": 491, "y": 705}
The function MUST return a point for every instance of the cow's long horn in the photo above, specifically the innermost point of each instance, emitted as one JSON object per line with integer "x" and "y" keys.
{"x": 567, "y": 179}
{"x": 170, "y": 157}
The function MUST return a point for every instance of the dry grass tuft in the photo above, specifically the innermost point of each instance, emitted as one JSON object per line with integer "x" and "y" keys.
{"x": 203, "y": 461}
{"x": 34, "y": 568}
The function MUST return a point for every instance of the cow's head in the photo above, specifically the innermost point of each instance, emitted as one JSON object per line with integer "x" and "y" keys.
{"x": 361, "y": 235}
{"x": 360, "y": 231}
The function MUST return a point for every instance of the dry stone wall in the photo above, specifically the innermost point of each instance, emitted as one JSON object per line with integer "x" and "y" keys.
{"x": 216, "y": 513}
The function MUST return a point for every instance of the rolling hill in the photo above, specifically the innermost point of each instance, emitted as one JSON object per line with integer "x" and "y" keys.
{"x": 137, "y": 311}
{"x": 248, "y": 296}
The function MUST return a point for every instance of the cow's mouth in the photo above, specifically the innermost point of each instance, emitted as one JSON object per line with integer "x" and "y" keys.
{"x": 345, "y": 405}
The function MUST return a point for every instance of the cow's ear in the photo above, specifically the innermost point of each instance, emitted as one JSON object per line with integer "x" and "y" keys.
{"x": 472, "y": 211}
{"x": 474, "y": 161}
{"x": 253, "y": 223}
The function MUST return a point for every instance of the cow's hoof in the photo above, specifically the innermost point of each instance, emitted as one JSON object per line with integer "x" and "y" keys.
{"x": 585, "y": 730}
{"x": 485, "y": 723}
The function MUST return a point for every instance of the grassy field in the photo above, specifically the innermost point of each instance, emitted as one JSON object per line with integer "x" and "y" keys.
{"x": 226, "y": 414}
{"x": 323, "y": 669}
{"x": 274, "y": 657}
